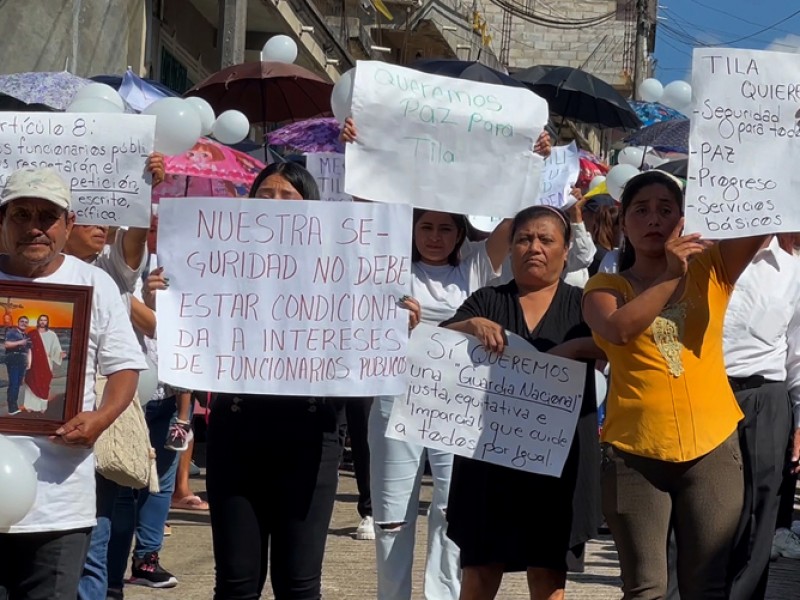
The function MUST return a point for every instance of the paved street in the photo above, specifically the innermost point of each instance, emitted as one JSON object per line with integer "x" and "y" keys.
{"x": 349, "y": 571}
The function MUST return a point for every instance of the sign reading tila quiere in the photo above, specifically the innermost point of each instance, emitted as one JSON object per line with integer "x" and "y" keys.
{"x": 518, "y": 409}
{"x": 744, "y": 143}
{"x": 290, "y": 298}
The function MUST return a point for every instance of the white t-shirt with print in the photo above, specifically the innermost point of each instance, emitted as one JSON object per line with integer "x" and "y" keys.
{"x": 65, "y": 494}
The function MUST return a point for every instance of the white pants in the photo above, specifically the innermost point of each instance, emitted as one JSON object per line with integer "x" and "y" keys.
{"x": 396, "y": 470}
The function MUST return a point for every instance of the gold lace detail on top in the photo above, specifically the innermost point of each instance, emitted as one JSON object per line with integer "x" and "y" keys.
{"x": 668, "y": 336}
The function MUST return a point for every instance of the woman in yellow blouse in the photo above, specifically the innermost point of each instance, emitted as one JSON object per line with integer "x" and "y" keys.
{"x": 670, "y": 454}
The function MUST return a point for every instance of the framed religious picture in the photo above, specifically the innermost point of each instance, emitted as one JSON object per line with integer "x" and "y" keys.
{"x": 44, "y": 340}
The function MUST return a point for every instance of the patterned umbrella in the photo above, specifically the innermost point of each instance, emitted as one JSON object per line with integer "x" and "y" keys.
{"x": 311, "y": 135}
{"x": 51, "y": 89}
{"x": 651, "y": 113}
{"x": 211, "y": 160}
{"x": 181, "y": 186}
{"x": 670, "y": 136}
{"x": 591, "y": 167}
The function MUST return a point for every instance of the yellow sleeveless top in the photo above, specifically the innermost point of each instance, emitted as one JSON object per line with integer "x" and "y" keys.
{"x": 669, "y": 396}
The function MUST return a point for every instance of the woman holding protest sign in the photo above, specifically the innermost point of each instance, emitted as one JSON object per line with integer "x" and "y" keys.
{"x": 441, "y": 281}
{"x": 671, "y": 454}
{"x": 297, "y": 440}
{"x": 503, "y": 519}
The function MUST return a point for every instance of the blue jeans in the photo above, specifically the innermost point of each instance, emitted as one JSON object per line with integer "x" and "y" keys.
{"x": 16, "y": 364}
{"x": 94, "y": 579}
{"x": 140, "y": 511}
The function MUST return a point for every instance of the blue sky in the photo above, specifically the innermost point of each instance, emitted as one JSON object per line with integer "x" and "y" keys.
{"x": 683, "y": 24}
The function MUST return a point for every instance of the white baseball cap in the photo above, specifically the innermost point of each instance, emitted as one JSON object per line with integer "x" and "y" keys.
{"x": 44, "y": 183}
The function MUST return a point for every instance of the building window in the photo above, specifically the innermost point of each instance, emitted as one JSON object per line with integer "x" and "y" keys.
{"x": 173, "y": 74}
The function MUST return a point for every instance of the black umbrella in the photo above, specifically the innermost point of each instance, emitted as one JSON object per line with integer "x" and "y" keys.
{"x": 679, "y": 167}
{"x": 577, "y": 95}
{"x": 465, "y": 69}
{"x": 667, "y": 135}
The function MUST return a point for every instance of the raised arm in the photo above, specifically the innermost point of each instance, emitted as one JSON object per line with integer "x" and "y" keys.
{"x": 498, "y": 244}
{"x": 737, "y": 254}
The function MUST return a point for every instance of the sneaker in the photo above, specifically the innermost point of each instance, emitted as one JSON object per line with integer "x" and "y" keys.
{"x": 786, "y": 544}
{"x": 366, "y": 529}
{"x": 148, "y": 572}
{"x": 179, "y": 436}
{"x": 796, "y": 528}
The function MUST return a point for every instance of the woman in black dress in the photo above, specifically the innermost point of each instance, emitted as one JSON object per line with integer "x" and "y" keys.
{"x": 504, "y": 519}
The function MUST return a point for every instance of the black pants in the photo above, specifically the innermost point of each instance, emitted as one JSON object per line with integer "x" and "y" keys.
{"x": 272, "y": 476}
{"x": 763, "y": 434}
{"x": 788, "y": 491}
{"x": 357, "y": 413}
{"x": 42, "y": 566}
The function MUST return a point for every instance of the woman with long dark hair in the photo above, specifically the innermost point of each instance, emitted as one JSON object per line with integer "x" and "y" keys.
{"x": 671, "y": 453}
{"x": 282, "y": 529}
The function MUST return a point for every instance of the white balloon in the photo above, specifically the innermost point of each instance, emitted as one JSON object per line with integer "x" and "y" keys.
{"x": 205, "y": 112}
{"x": 280, "y": 48}
{"x": 93, "y": 105}
{"x": 596, "y": 181}
{"x": 17, "y": 484}
{"x": 651, "y": 90}
{"x": 342, "y": 95}
{"x": 148, "y": 382}
{"x": 178, "y": 125}
{"x": 231, "y": 127}
{"x": 102, "y": 91}
{"x": 631, "y": 155}
{"x": 677, "y": 95}
{"x": 618, "y": 177}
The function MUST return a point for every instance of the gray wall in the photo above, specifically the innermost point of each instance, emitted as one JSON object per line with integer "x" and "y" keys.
{"x": 37, "y": 35}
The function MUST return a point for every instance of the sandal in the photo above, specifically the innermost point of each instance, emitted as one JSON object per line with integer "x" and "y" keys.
{"x": 190, "y": 502}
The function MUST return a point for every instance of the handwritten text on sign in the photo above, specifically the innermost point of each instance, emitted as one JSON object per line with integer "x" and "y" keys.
{"x": 441, "y": 143}
{"x": 328, "y": 169}
{"x": 278, "y": 297}
{"x": 744, "y": 143}
{"x": 518, "y": 409}
{"x": 561, "y": 170}
{"x": 101, "y": 157}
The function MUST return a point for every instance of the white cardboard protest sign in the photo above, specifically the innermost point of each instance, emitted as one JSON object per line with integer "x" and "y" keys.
{"x": 277, "y": 297}
{"x": 560, "y": 173}
{"x": 744, "y": 143}
{"x": 518, "y": 409}
{"x": 442, "y": 143}
{"x": 102, "y": 157}
{"x": 328, "y": 169}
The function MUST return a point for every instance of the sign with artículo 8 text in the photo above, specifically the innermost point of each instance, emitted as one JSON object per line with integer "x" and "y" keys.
{"x": 518, "y": 409}
{"x": 295, "y": 298}
{"x": 744, "y": 143}
{"x": 442, "y": 143}
{"x": 102, "y": 157}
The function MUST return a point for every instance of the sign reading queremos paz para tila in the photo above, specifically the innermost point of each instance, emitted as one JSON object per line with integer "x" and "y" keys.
{"x": 518, "y": 409}
{"x": 279, "y": 297}
{"x": 744, "y": 142}
{"x": 102, "y": 157}
{"x": 443, "y": 144}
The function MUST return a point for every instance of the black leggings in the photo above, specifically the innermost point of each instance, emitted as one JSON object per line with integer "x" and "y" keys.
{"x": 272, "y": 477}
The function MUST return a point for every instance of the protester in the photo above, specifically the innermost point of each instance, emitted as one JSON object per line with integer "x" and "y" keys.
{"x": 297, "y": 441}
{"x": 357, "y": 412}
{"x": 601, "y": 215}
{"x": 671, "y": 449}
{"x": 582, "y": 248}
{"x": 123, "y": 259}
{"x": 440, "y": 282}
{"x": 45, "y": 552}
{"x": 503, "y": 519}
{"x": 762, "y": 327}
{"x": 17, "y": 348}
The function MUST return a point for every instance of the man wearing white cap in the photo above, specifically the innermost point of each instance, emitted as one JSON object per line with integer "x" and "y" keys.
{"x": 43, "y": 554}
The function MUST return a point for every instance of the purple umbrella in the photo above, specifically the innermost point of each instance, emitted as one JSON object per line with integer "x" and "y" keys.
{"x": 51, "y": 89}
{"x": 312, "y": 135}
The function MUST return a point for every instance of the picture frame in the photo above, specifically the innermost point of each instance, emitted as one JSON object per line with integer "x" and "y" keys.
{"x": 44, "y": 341}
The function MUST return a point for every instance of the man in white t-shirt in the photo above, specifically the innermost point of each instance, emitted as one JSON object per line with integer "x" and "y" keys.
{"x": 48, "y": 546}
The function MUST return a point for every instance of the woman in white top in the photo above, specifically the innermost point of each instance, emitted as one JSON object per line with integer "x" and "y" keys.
{"x": 440, "y": 282}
